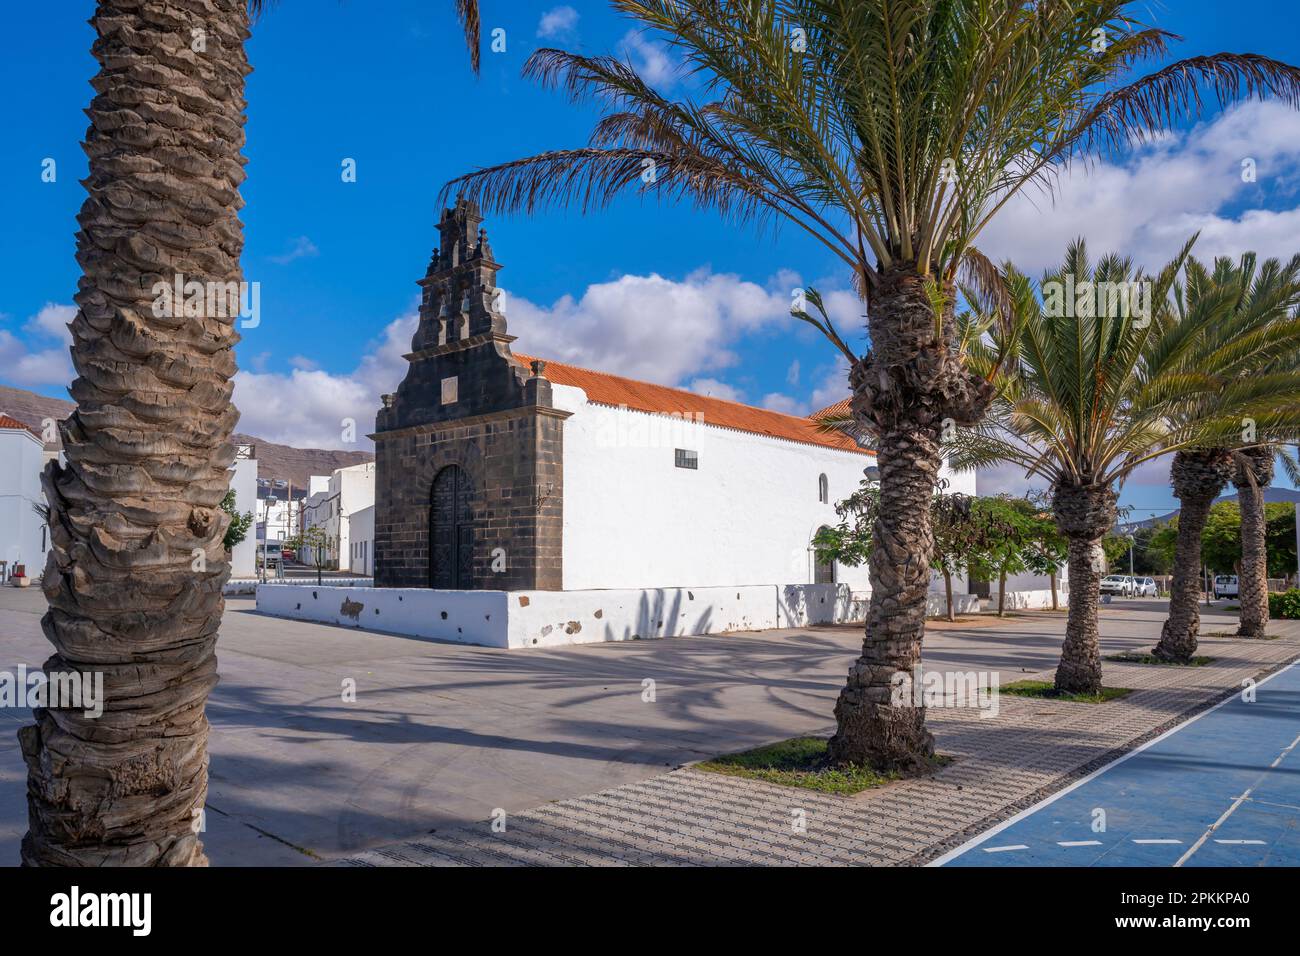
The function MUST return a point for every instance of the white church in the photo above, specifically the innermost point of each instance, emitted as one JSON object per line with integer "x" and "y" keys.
{"x": 523, "y": 502}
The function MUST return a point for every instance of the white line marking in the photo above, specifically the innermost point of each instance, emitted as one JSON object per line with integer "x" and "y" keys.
{"x": 1241, "y": 842}
{"x": 1078, "y": 843}
{"x": 1235, "y": 804}
{"x": 1003, "y": 849}
{"x": 973, "y": 841}
{"x": 1158, "y": 841}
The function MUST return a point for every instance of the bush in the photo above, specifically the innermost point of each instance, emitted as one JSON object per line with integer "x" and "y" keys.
{"x": 1285, "y": 604}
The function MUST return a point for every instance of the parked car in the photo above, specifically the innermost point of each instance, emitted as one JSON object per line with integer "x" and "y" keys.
{"x": 1225, "y": 585}
{"x": 288, "y": 554}
{"x": 1146, "y": 587}
{"x": 1117, "y": 584}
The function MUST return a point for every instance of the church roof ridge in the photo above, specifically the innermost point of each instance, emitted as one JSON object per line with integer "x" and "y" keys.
{"x": 607, "y": 388}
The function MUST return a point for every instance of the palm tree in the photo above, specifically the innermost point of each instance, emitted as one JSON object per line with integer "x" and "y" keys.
{"x": 1093, "y": 394}
{"x": 1252, "y": 476}
{"x": 136, "y": 566}
{"x": 892, "y": 133}
{"x": 1255, "y": 335}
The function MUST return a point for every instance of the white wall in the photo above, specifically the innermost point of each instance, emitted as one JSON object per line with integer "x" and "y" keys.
{"x": 355, "y": 488}
{"x": 243, "y": 481}
{"x": 24, "y": 536}
{"x": 632, "y": 519}
{"x": 361, "y": 549}
{"x": 519, "y": 619}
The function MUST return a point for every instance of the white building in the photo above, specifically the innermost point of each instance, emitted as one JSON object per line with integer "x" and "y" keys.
{"x": 361, "y": 528}
{"x": 331, "y": 508}
{"x": 243, "y": 481}
{"x": 24, "y": 535}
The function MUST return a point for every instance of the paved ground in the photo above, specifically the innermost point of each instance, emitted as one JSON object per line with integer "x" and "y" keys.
{"x": 441, "y": 737}
{"x": 1220, "y": 790}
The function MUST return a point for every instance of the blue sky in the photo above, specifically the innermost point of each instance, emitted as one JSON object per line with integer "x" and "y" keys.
{"x": 658, "y": 292}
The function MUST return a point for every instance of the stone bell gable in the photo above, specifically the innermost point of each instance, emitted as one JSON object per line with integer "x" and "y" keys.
{"x": 468, "y": 450}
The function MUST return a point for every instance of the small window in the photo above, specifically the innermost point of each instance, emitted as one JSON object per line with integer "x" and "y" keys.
{"x": 823, "y": 490}
{"x": 687, "y": 459}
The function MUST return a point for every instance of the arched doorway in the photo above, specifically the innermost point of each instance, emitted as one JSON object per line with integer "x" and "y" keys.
{"x": 451, "y": 531}
{"x": 823, "y": 571}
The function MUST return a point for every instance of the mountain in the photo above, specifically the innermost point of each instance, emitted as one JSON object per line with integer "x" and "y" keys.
{"x": 273, "y": 460}
{"x": 1270, "y": 495}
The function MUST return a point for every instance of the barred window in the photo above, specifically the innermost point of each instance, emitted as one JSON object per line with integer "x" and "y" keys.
{"x": 687, "y": 459}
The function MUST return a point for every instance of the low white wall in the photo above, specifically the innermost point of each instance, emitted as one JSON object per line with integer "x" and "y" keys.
{"x": 553, "y": 618}
{"x": 463, "y": 617}
{"x": 1028, "y": 600}
{"x": 936, "y": 605}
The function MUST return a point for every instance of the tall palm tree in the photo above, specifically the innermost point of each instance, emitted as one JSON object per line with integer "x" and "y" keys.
{"x": 1093, "y": 394}
{"x": 136, "y": 566}
{"x": 1255, "y": 335}
{"x": 892, "y": 133}
{"x": 1252, "y": 476}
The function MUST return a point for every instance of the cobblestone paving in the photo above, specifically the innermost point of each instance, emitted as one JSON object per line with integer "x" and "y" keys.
{"x": 1002, "y": 764}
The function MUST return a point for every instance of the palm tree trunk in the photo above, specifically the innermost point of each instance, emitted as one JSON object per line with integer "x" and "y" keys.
{"x": 136, "y": 568}
{"x": 1051, "y": 580}
{"x": 1198, "y": 477}
{"x": 947, "y": 590}
{"x": 905, "y": 393}
{"x": 1254, "y": 474}
{"x": 1002, "y": 594}
{"x": 1084, "y": 513}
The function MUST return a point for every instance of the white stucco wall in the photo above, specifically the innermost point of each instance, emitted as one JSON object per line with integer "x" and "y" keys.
{"x": 632, "y": 519}
{"x": 243, "y": 481}
{"x": 23, "y": 535}
{"x": 520, "y": 619}
{"x": 361, "y": 546}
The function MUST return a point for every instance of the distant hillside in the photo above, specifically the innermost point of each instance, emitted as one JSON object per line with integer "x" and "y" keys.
{"x": 1270, "y": 495}
{"x": 273, "y": 460}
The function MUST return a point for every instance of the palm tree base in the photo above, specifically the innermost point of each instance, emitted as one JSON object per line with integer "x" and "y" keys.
{"x": 880, "y": 736}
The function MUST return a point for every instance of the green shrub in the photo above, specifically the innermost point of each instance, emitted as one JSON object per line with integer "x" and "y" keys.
{"x": 1285, "y": 604}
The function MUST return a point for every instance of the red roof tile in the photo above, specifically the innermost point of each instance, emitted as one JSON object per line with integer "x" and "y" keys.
{"x": 605, "y": 389}
{"x": 832, "y": 411}
{"x": 7, "y": 422}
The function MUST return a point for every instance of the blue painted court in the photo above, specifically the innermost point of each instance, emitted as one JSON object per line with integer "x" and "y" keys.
{"x": 1220, "y": 790}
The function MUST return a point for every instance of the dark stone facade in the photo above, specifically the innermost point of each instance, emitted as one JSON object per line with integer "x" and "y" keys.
{"x": 466, "y": 403}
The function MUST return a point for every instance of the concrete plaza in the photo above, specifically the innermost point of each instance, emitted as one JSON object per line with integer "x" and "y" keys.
{"x": 442, "y": 737}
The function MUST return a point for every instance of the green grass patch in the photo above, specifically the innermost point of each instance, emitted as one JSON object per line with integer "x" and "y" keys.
{"x": 1234, "y": 634}
{"x": 801, "y": 762}
{"x": 1047, "y": 691}
{"x": 1133, "y": 657}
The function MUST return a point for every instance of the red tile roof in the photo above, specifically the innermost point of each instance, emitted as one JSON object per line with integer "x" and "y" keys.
{"x": 605, "y": 389}
{"x": 7, "y": 422}
{"x": 832, "y": 411}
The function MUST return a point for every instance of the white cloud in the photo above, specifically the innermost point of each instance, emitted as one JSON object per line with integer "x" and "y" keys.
{"x": 52, "y": 321}
{"x": 307, "y": 407}
{"x": 1149, "y": 205}
{"x": 558, "y": 22}
{"x": 649, "y": 327}
{"x": 26, "y": 367}
{"x": 302, "y": 248}
{"x": 792, "y": 373}
{"x": 716, "y": 389}
{"x": 304, "y": 363}
{"x": 651, "y": 60}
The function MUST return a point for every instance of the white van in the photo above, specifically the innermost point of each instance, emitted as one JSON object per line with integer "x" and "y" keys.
{"x": 1225, "y": 585}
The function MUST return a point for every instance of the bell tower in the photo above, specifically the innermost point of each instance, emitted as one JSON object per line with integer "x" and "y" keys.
{"x": 467, "y": 403}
